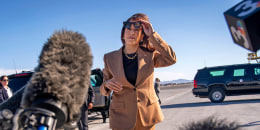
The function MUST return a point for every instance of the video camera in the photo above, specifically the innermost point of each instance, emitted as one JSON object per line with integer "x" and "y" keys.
{"x": 35, "y": 118}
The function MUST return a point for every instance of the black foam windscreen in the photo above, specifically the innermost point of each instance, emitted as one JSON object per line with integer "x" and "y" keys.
{"x": 62, "y": 75}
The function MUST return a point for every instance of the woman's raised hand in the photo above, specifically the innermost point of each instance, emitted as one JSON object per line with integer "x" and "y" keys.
{"x": 114, "y": 85}
{"x": 148, "y": 28}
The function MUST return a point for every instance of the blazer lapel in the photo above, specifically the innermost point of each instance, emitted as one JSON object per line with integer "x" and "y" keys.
{"x": 119, "y": 69}
{"x": 142, "y": 71}
{"x": 143, "y": 67}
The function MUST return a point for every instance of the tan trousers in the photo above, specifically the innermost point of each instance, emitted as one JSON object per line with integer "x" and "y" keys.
{"x": 139, "y": 125}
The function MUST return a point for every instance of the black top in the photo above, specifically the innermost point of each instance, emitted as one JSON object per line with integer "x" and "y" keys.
{"x": 130, "y": 67}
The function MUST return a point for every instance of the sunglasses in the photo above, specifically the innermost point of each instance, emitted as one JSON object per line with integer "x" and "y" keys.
{"x": 5, "y": 80}
{"x": 136, "y": 24}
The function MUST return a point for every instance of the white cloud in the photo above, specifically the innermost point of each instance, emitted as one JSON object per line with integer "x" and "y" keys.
{"x": 168, "y": 76}
{"x": 163, "y": 76}
{"x": 10, "y": 71}
{"x": 6, "y": 71}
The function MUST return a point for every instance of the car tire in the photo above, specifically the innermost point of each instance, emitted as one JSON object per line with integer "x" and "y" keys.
{"x": 217, "y": 95}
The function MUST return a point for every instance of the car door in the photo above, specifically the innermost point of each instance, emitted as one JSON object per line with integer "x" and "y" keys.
{"x": 96, "y": 80}
{"x": 241, "y": 79}
{"x": 256, "y": 78}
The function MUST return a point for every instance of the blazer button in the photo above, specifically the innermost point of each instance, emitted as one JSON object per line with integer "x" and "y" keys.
{"x": 134, "y": 89}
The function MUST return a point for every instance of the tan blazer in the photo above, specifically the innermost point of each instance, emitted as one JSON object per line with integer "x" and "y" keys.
{"x": 141, "y": 97}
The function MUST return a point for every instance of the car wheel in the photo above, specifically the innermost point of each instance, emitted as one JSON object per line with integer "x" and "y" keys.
{"x": 217, "y": 95}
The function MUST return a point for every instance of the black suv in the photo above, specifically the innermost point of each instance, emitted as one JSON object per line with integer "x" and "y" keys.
{"x": 217, "y": 82}
{"x": 101, "y": 103}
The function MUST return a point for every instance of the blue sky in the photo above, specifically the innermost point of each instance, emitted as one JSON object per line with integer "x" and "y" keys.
{"x": 196, "y": 30}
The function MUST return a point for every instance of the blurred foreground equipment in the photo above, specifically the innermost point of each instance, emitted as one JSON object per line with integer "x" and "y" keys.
{"x": 244, "y": 24}
{"x": 53, "y": 96}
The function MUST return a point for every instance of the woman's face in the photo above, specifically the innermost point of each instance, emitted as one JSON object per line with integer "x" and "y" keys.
{"x": 5, "y": 81}
{"x": 133, "y": 32}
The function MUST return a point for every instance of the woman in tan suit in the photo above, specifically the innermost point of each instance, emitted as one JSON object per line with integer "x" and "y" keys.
{"x": 129, "y": 73}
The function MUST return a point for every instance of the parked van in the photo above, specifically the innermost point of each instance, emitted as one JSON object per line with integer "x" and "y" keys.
{"x": 217, "y": 82}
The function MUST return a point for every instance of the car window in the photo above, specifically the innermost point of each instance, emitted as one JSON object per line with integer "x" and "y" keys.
{"x": 217, "y": 72}
{"x": 257, "y": 71}
{"x": 17, "y": 83}
{"x": 239, "y": 72}
{"x": 95, "y": 80}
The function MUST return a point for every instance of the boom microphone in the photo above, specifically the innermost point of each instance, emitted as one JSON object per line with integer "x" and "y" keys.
{"x": 53, "y": 96}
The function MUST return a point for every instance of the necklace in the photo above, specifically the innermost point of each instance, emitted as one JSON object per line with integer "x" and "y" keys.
{"x": 131, "y": 58}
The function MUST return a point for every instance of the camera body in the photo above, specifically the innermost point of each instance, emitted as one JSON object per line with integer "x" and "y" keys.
{"x": 34, "y": 118}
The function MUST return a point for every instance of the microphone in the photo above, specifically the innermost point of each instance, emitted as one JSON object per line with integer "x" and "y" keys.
{"x": 53, "y": 96}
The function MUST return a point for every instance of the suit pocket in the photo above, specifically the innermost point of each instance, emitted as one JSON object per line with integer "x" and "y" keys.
{"x": 117, "y": 106}
{"x": 152, "y": 100}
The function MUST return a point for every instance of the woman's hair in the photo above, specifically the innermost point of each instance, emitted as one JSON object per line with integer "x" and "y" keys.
{"x": 2, "y": 77}
{"x": 144, "y": 43}
{"x": 157, "y": 79}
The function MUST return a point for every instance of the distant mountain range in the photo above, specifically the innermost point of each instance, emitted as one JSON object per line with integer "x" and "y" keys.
{"x": 178, "y": 81}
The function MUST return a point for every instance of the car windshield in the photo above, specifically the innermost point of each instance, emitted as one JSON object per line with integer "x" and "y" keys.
{"x": 17, "y": 83}
{"x": 95, "y": 80}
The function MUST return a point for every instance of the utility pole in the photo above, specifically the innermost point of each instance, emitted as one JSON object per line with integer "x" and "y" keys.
{"x": 252, "y": 56}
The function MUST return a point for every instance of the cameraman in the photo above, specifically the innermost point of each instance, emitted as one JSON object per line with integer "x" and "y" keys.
{"x": 88, "y": 104}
